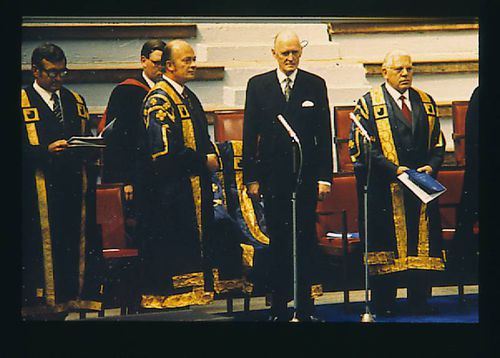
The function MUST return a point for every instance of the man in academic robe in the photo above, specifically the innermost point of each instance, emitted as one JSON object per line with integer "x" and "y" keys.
{"x": 62, "y": 254}
{"x": 270, "y": 168}
{"x": 181, "y": 204}
{"x": 404, "y": 234}
{"x": 125, "y": 158}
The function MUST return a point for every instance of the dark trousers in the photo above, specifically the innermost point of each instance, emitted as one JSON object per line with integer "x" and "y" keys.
{"x": 384, "y": 288}
{"x": 278, "y": 213}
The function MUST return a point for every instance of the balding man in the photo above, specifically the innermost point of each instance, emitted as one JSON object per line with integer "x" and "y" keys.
{"x": 270, "y": 167}
{"x": 404, "y": 236}
{"x": 180, "y": 206}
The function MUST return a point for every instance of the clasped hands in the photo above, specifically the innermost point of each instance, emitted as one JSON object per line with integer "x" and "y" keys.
{"x": 426, "y": 169}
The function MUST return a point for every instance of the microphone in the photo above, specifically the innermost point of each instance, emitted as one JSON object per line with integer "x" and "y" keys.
{"x": 363, "y": 131}
{"x": 287, "y": 127}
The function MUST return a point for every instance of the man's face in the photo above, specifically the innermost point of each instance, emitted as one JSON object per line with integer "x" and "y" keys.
{"x": 50, "y": 75}
{"x": 399, "y": 73}
{"x": 287, "y": 53}
{"x": 183, "y": 64}
{"x": 152, "y": 65}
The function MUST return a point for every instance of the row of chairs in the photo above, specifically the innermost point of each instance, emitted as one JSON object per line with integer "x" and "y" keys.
{"x": 228, "y": 126}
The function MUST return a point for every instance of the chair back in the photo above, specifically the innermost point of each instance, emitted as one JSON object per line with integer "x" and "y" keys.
{"x": 343, "y": 196}
{"x": 449, "y": 201}
{"x": 228, "y": 125}
{"x": 459, "y": 112}
{"x": 342, "y": 126}
{"x": 111, "y": 215}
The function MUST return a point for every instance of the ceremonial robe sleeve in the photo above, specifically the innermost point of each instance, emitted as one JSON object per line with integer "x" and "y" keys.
{"x": 165, "y": 137}
{"x": 437, "y": 145}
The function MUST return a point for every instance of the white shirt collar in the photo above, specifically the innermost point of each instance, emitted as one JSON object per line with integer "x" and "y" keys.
{"x": 46, "y": 95}
{"x": 282, "y": 76}
{"x": 150, "y": 83}
{"x": 179, "y": 88}
{"x": 395, "y": 95}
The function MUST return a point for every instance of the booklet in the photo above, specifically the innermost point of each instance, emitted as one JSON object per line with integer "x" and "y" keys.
{"x": 91, "y": 141}
{"x": 94, "y": 142}
{"x": 425, "y": 187}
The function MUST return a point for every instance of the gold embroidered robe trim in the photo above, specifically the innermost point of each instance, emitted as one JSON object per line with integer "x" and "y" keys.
{"x": 246, "y": 205}
{"x": 223, "y": 286}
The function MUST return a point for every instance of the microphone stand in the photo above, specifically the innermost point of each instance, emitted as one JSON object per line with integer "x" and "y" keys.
{"x": 297, "y": 146}
{"x": 366, "y": 317}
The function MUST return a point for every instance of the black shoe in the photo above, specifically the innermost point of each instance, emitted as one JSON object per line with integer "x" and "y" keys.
{"x": 274, "y": 318}
{"x": 387, "y": 311}
{"x": 312, "y": 319}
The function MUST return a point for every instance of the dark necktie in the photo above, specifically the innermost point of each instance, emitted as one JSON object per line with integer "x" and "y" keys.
{"x": 288, "y": 88}
{"x": 57, "y": 107}
{"x": 405, "y": 109}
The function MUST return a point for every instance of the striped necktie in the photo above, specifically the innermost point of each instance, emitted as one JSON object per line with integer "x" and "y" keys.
{"x": 288, "y": 88}
{"x": 57, "y": 107}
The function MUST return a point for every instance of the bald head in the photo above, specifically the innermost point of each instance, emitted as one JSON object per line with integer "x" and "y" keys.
{"x": 287, "y": 51}
{"x": 180, "y": 61}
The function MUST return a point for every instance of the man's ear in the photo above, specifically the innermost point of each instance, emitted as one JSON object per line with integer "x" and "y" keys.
{"x": 143, "y": 60}
{"x": 35, "y": 71}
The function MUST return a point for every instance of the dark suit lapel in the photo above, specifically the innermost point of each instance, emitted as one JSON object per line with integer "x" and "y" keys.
{"x": 273, "y": 87}
{"x": 416, "y": 109}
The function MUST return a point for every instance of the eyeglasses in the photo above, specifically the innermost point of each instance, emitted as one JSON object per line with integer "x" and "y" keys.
{"x": 53, "y": 73}
{"x": 400, "y": 69}
{"x": 156, "y": 63}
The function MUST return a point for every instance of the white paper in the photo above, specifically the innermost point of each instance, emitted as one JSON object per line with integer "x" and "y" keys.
{"x": 420, "y": 193}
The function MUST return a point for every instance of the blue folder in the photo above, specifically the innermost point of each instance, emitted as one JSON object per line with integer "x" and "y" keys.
{"x": 425, "y": 181}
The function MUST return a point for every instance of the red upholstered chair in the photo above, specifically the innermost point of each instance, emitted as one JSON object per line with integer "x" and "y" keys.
{"x": 448, "y": 205}
{"x": 228, "y": 125}
{"x": 121, "y": 259}
{"x": 342, "y": 125}
{"x": 449, "y": 201}
{"x": 338, "y": 213}
{"x": 459, "y": 112}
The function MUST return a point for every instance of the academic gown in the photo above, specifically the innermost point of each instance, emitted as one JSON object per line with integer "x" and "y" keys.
{"x": 403, "y": 233}
{"x": 175, "y": 273}
{"x": 62, "y": 253}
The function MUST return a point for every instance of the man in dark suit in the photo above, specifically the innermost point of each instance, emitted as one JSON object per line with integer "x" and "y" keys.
{"x": 270, "y": 167}
{"x": 404, "y": 234}
{"x": 61, "y": 251}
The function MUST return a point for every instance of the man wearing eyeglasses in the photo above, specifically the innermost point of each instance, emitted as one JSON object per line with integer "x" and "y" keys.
{"x": 181, "y": 206}
{"x": 61, "y": 249}
{"x": 404, "y": 235}
{"x": 125, "y": 157}
{"x": 123, "y": 147}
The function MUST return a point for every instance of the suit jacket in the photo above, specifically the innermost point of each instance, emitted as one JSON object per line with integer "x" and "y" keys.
{"x": 123, "y": 143}
{"x": 267, "y": 149}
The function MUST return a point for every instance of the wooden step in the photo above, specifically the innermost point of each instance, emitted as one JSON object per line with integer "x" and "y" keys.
{"x": 396, "y": 25}
{"x": 431, "y": 67}
{"x": 74, "y": 31}
{"x": 117, "y": 72}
